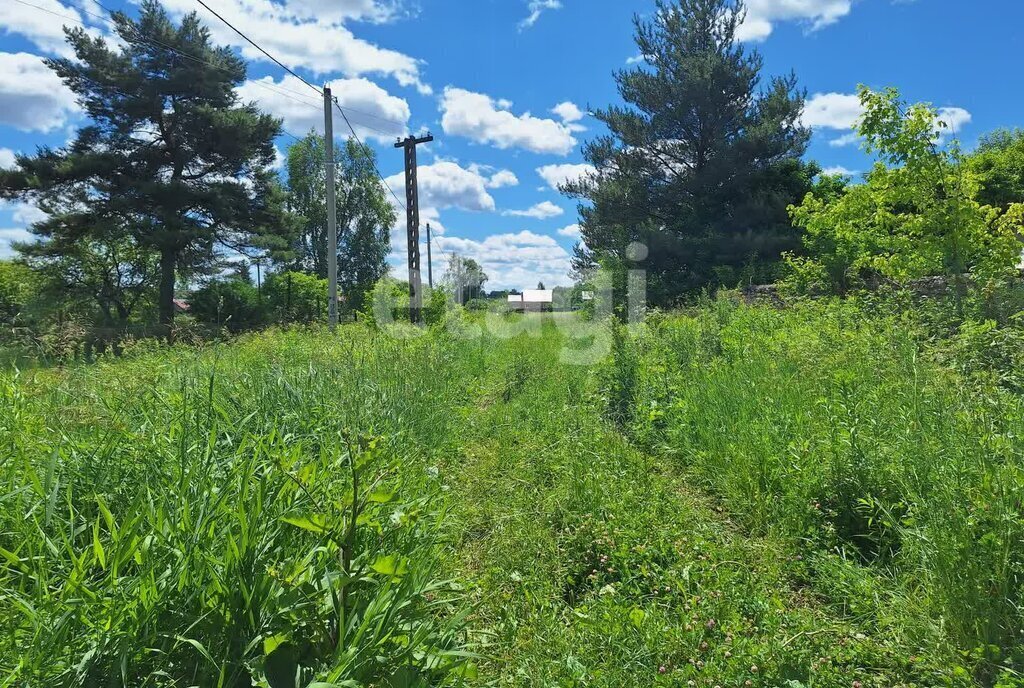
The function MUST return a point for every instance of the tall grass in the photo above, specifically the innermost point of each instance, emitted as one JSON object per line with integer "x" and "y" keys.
{"x": 258, "y": 513}
{"x": 836, "y": 424}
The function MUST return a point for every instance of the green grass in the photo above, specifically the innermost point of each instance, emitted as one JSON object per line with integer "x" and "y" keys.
{"x": 735, "y": 497}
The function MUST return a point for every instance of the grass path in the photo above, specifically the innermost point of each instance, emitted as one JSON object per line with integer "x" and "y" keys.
{"x": 594, "y": 565}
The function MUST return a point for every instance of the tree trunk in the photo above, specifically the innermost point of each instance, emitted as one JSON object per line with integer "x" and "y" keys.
{"x": 168, "y": 261}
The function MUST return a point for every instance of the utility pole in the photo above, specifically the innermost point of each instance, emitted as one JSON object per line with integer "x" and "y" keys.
{"x": 412, "y": 215}
{"x": 332, "y": 212}
{"x": 430, "y": 263}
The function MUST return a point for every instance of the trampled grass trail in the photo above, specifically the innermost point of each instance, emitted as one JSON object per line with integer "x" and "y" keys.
{"x": 299, "y": 508}
{"x": 592, "y": 564}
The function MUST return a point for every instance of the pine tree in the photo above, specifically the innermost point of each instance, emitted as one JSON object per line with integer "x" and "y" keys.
{"x": 701, "y": 162}
{"x": 170, "y": 157}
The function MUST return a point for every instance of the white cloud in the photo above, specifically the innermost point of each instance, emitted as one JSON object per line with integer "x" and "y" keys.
{"x": 542, "y": 211}
{"x": 280, "y": 159}
{"x": 481, "y": 118}
{"x": 572, "y": 231}
{"x": 832, "y": 111}
{"x": 26, "y": 213}
{"x": 310, "y": 34}
{"x": 373, "y": 112}
{"x": 9, "y": 236}
{"x": 568, "y": 111}
{"x": 537, "y": 8}
{"x": 502, "y": 178}
{"x": 840, "y": 112}
{"x": 446, "y": 184}
{"x": 636, "y": 59}
{"x": 955, "y": 118}
{"x": 556, "y": 175}
{"x": 815, "y": 14}
{"x": 512, "y": 261}
{"x": 839, "y": 169}
{"x": 32, "y": 97}
{"x": 7, "y": 158}
{"x": 845, "y": 140}
{"x": 43, "y": 25}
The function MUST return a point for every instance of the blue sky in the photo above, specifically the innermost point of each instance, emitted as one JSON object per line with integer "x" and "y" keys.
{"x": 505, "y": 85}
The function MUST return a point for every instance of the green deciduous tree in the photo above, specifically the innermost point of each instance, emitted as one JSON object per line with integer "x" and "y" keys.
{"x": 365, "y": 217}
{"x": 18, "y": 289}
{"x": 170, "y": 157}
{"x": 917, "y": 214}
{"x": 702, "y": 161}
{"x": 998, "y": 166}
{"x": 464, "y": 277}
{"x": 108, "y": 278}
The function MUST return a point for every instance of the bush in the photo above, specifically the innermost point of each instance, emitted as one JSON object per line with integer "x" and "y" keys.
{"x": 296, "y": 297}
{"x": 233, "y": 304}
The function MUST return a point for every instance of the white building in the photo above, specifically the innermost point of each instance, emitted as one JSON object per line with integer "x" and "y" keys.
{"x": 533, "y": 300}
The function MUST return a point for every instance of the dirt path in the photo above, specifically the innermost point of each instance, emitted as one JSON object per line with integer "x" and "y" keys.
{"x": 595, "y": 565}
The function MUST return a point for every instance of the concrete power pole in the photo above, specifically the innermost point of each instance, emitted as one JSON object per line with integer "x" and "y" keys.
{"x": 412, "y": 210}
{"x": 332, "y": 212}
{"x": 430, "y": 263}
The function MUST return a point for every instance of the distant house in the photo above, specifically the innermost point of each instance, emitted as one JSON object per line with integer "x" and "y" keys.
{"x": 181, "y": 306}
{"x": 533, "y": 301}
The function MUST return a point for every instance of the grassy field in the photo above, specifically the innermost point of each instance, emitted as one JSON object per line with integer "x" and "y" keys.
{"x": 734, "y": 497}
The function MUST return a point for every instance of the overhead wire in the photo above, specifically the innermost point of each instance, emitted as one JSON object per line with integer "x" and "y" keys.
{"x": 291, "y": 94}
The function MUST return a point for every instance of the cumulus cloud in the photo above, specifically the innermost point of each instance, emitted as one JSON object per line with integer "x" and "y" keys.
{"x": 43, "y": 24}
{"x": 310, "y": 34}
{"x": 840, "y": 112}
{"x": 483, "y": 119}
{"x": 832, "y": 110}
{"x": 955, "y": 118}
{"x": 512, "y": 261}
{"x": 542, "y": 211}
{"x": 556, "y": 175}
{"x": 839, "y": 169}
{"x": 568, "y": 111}
{"x": 572, "y": 231}
{"x": 762, "y": 15}
{"x": 373, "y": 112}
{"x": 7, "y": 158}
{"x": 9, "y": 236}
{"x": 446, "y": 184}
{"x": 501, "y": 179}
{"x": 537, "y": 8}
{"x": 32, "y": 97}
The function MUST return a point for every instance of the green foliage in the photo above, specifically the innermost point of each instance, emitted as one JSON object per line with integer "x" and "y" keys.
{"x": 364, "y": 215}
{"x": 998, "y": 166}
{"x": 252, "y": 540}
{"x": 18, "y": 288}
{"x": 232, "y": 303}
{"x": 200, "y": 178}
{"x": 700, "y": 164}
{"x": 296, "y": 297}
{"x": 916, "y": 215}
{"x": 465, "y": 278}
{"x": 847, "y": 428}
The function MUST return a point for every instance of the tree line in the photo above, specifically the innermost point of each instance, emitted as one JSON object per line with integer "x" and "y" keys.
{"x": 171, "y": 186}
{"x": 704, "y": 163}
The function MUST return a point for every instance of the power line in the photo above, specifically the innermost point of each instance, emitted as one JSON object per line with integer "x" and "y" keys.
{"x": 275, "y": 88}
{"x": 259, "y": 47}
{"x": 280, "y": 90}
{"x": 364, "y": 146}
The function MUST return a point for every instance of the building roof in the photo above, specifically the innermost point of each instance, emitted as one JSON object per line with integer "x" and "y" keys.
{"x": 538, "y": 296}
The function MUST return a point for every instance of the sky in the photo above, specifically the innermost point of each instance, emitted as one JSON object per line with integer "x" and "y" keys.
{"x": 505, "y": 87}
